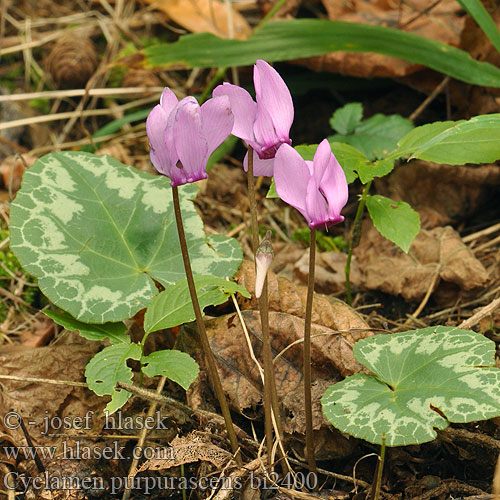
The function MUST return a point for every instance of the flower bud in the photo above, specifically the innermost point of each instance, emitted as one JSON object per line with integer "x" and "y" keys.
{"x": 263, "y": 259}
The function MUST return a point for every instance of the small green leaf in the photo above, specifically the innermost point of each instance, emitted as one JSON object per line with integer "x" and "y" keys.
{"x": 423, "y": 379}
{"x": 379, "y": 168}
{"x": 175, "y": 365}
{"x": 453, "y": 143}
{"x": 394, "y": 220}
{"x": 345, "y": 119}
{"x": 115, "y": 332}
{"x": 348, "y": 157}
{"x": 173, "y": 306}
{"x": 377, "y": 136}
{"x": 109, "y": 367}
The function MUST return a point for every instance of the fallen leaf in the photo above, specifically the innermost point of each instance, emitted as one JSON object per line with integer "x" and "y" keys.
{"x": 462, "y": 189}
{"x": 442, "y": 23}
{"x": 204, "y": 15}
{"x": 188, "y": 449}
{"x": 439, "y": 250}
{"x": 12, "y": 170}
{"x": 289, "y": 298}
{"x": 36, "y": 401}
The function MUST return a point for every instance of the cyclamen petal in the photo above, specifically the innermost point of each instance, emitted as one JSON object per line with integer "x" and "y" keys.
{"x": 190, "y": 143}
{"x": 264, "y": 125}
{"x": 243, "y": 107}
{"x": 273, "y": 94}
{"x": 318, "y": 189}
{"x": 217, "y": 121}
{"x": 182, "y": 135}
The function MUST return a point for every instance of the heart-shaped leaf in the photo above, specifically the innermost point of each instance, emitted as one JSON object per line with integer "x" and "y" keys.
{"x": 423, "y": 379}
{"x": 96, "y": 233}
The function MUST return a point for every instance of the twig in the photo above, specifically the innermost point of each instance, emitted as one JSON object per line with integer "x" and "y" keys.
{"x": 482, "y": 313}
{"x": 142, "y": 437}
{"x": 427, "y": 296}
{"x": 43, "y": 380}
{"x": 60, "y": 94}
{"x": 483, "y": 232}
{"x": 74, "y": 114}
{"x": 429, "y": 98}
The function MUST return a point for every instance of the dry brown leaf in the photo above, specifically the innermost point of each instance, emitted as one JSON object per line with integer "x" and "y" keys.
{"x": 440, "y": 250}
{"x": 442, "y": 23}
{"x": 188, "y": 449}
{"x": 35, "y": 401}
{"x": 199, "y": 16}
{"x": 462, "y": 189}
{"x": 329, "y": 274}
{"x": 289, "y": 298}
{"x": 13, "y": 168}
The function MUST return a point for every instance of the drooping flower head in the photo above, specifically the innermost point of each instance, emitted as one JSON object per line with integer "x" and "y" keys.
{"x": 182, "y": 135}
{"x": 317, "y": 189}
{"x": 264, "y": 125}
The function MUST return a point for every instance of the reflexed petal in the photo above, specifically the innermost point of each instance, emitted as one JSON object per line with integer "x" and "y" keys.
{"x": 291, "y": 177}
{"x": 216, "y": 121}
{"x": 321, "y": 160}
{"x": 168, "y": 100}
{"x": 260, "y": 167}
{"x": 190, "y": 142}
{"x": 265, "y": 134}
{"x": 333, "y": 185}
{"x": 243, "y": 107}
{"x": 273, "y": 95}
{"x": 156, "y": 125}
{"x": 317, "y": 215}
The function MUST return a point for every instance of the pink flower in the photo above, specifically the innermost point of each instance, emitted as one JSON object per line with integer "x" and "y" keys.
{"x": 182, "y": 135}
{"x": 317, "y": 189}
{"x": 264, "y": 125}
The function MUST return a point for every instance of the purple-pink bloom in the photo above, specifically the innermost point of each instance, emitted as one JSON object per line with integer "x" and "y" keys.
{"x": 264, "y": 125}
{"x": 182, "y": 135}
{"x": 317, "y": 189}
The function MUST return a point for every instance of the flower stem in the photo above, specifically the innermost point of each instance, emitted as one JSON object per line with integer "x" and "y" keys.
{"x": 270, "y": 394}
{"x": 355, "y": 237}
{"x": 380, "y": 469}
{"x": 311, "y": 460}
{"x": 205, "y": 344}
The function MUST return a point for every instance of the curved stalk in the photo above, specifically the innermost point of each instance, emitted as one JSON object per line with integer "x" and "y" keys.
{"x": 355, "y": 238}
{"x": 205, "y": 344}
{"x": 311, "y": 460}
{"x": 270, "y": 395}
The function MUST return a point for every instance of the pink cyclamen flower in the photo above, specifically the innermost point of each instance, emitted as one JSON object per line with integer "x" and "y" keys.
{"x": 317, "y": 189}
{"x": 182, "y": 135}
{"x": 264, "y": 125}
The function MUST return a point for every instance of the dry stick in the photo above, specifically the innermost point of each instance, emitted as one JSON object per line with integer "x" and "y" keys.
{"x": 264, "y": 318}
{"x": 311, "y": 460}
{"x": 482, "y": 313}
{"x": 133, "y": 467}
{"x": 429, "y": 99}
{"x": 59, "y": 94}
{"x": 205, "y": 344}
{"x": 270, "y": 393}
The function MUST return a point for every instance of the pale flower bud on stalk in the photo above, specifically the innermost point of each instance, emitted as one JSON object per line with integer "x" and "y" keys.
{"x": 263, "y": 259}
